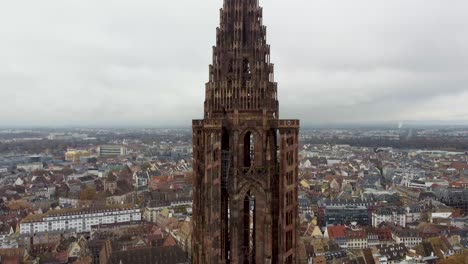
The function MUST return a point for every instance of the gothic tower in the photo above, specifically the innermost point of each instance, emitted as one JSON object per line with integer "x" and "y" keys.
{"x": 245, "y": 159}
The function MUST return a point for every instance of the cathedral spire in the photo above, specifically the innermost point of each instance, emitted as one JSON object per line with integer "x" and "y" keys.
{"x": 241, "y": 75}
{"x": 245, "y": 159}
{"x": 241, "y": 22}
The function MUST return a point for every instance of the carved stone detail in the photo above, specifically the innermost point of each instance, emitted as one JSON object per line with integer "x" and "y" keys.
{"x": 239, "y": 206}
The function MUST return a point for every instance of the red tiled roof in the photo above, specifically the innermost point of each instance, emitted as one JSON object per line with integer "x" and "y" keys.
{"x": 356, "y": 234}
{"x": 384, "y": 233}
{"x": 335, "y": 232}
{"x": 170, "y": 241}
{"x": 460, "y": 166}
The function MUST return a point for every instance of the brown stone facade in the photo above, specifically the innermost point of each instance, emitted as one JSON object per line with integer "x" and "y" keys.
{"x": 245, "y": 158}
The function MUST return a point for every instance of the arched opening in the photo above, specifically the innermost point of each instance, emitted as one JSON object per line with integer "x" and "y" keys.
{"x": 278, "y": 142}
{"x": 246, "y": 77}
{"x": 249, "y": 228}
{"x": 246, "y": 66}
{"x": 226, "y": 169}
{"x": 249, "y": 149}
{"x": 225, "y": 140}
{"x": 268, "y": 148}
{"x": 271, "y": 146}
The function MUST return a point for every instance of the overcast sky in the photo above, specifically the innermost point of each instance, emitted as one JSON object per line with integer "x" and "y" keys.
{"x": 145, "y": 62}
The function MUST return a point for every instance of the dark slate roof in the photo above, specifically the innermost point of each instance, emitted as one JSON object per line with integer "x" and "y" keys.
{"x": 156, "y": 255}
{"x": 87, "y": 178}
{"x": 394, "y": 252}
{"x": 335, "y": 255}
{"x": 389, "y": 210}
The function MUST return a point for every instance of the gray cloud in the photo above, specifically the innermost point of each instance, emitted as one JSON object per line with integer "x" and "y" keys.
{"x": 146, "y": 62}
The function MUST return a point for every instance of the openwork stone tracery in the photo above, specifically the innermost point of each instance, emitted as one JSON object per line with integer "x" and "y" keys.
{"x": 245, "y": 158}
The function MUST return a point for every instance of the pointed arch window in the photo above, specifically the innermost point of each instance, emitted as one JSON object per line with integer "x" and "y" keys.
{"x": 249, "y": 149}
{"x": 249, "y": 227}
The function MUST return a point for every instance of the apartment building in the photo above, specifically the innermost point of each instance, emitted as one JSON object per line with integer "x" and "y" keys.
{"x": 79, "y": 220}
{"x": 393, "y": 215}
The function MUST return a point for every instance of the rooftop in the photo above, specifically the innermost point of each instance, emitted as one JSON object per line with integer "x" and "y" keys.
{"x": 74, "y": 211}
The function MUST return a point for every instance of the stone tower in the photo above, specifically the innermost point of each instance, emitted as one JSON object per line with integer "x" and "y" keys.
{"x": 245, "y": 159}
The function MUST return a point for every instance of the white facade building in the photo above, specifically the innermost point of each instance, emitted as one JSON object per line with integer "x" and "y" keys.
{"x": 410, "y": 241}
{"x": 78, "y": 220}
{"x": 29, "y": 167}
{"x": 396, "y": 216}
{"x": 154, "y": 209}
{"x": 112, "y": 150}
{"x": 68, "y": 201}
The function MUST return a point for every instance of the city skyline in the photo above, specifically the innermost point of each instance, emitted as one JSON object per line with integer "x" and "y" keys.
{"x": 66, "y": 64}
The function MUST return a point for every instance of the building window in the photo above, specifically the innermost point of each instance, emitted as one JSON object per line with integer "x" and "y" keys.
{"x": 289, "y": 218}
{"x": 290, "y": 158}
{"x": 289, "y": 240}
{"x": 289, "y": 178}
{"x": 289, "y": 198}
{"x": 249, "y": 149}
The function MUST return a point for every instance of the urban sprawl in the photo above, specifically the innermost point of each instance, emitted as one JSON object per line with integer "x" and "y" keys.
{"x": 366, "y": 195}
